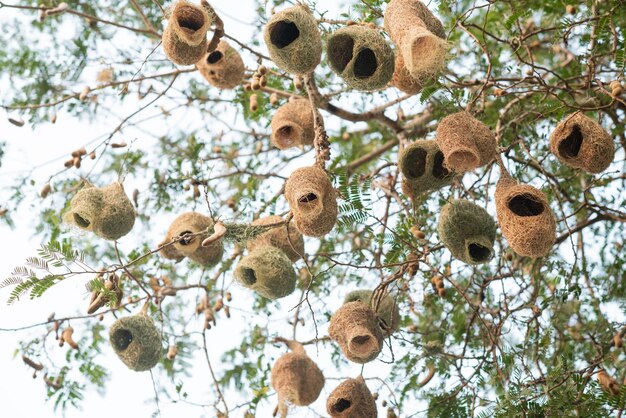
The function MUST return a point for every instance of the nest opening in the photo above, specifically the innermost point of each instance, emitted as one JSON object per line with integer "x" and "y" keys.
{"x": 365, "y": 64}
{"x": 439, "y": 171}
{"x": 308, "y": 198}
{"x": 80, "y": 221}
{"x": 285, "y": 135}
{"x": 283, "y": 33}
{"x": 249, "y": 276}
{"x": 121, "y": 339}
{"x": 190, "y": 18}
{"x": 462, "y": 159}
{"x": 417, "y": 163}
{"x": 363, "y": 345}
{"x": 479, "y": 252}
{"x": 186, "y": 238}
{"x": 525, "y": 205}
{"x": 570, "y": 146}
{"x": 340, "y": 51}
{"x": 214, "y": 57}
{"x": 341, "y": 405}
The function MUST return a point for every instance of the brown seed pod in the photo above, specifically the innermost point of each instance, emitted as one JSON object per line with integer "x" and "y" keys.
{"x": 273, "y": 99}
{"x": 607, "y": 383}
{"x": 465, "y": 142}
{"x": 32, "y": 363}
{"x": 184, "y": 38}
{"x": 84, "y": 94}
{"x": 284, "y": 237}
{"x": 356, "y": 330}
{"x": 351, "y": 399}
{"x": 222, "y": 68}
{"x": 254, "y": 103}
{"x": 172, "y": 352}
{"x": 45, "y": 191}
{"x": 292, "y": 125}
{"x": 66, "y": 335}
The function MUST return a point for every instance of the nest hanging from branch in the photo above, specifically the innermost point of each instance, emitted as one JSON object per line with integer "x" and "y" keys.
{"x": 403, "y": 80}
{"x": 422, "y": 166}
{"x": 292, "y": 125}
{"x": 468, "y": 231}
{"x": 190, "y": 224}
{"x": 107, "y": 212}
{"x": 284, "y": 237}
{"x": 136, "y": 341}
{"x": 581, "y": 142}
{"x": 184, "y": 38}
{"x": 361, "y": 56}
{"x": 267, "y": 271}
{"x": 351, "y": 399}
{"x": 222, "y": 68}
{"x": 355, "y": 328}
{"x": 312, "y": 200}
{"x": 525, "y": 218}
{"x": 387, "y": 308}
{"x": 466, "y": 142}
{"x": 293, "y": 40}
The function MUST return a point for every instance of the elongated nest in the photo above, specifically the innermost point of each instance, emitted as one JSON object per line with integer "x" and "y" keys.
{"x": 355, "y": 328}
{"x": 222, "y": 68}
{"x": 468, "y": 231}
{"x": 267, "y": 271}
{"x": 184, "y": 38}
{"x": 351, "y": 399}
{"x": 466, "y": 142}
{"x": 292, "y": 125}
{"x": 293, "y": 40}
{"x": 296, "y": 378}
{"x": 525, "y": 218}
{"x": 136, "y": 341}
{"x": 188, "y": 225}
{"x": 284, "y": 237}
{"x": 387, "y": 308}
{"x": 422, "y": 166}
{"x": 581, "y": 142}
{"x": 312, "y": 200}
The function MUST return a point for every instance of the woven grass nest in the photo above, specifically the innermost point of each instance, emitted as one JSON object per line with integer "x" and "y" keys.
{"x": 355, "y": 328}
{"x": 361, "y": 56}
{"x": 285, "y": 237}
{"x": 312, "y": 200}
{"x": 351, "y": 399}
{"x": 525, "y": 218}
{"x": 468, "y": 231}
{"x": 186, "y": 224}
{"x": 466, "y": 142}
{"x": 296, "y": 378}
{"x": 419, "y": 36}
{"x": 107, "y": 211}
{"x": 581, "y": 142}
{"x": 422, "y": 166}
{"x": 222, "y": 68}
{"x": 292, "y": 125}
{"x": 267, "y": 271}
{"x": 293, "y": 40}
{"x": 184, "y": 38}
{"x": 387, "y": 308}
{"x": 136, "y": 341}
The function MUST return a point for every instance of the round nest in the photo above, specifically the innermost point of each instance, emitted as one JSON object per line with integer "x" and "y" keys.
{"x": 296, "y": 378}
{"x": 136, "y": 341}
{"x": 267, "y": 271}
{"x": 422, "y": 166}
{"x": 292, "y": 125}
{"x": 222, "y": 68}
{"x": 581, "y": 142}
{"x": 355, "y": 328}
{"x": 387, "y": 308}
{"x": 351, "y": 399}
{"x": 184, "y": 38}
{"x": 525, "y": 218}
{"x": 293, "y": 40}
{"x": 466, "y": 142}
{"x": 361, "y": 56}
{"x": 468, "y": 231}
{"x": 284, "y": 237}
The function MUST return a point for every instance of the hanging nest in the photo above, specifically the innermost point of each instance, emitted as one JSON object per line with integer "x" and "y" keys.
{"x": 387, "y": 308}
{"x": 525, "y": 218}
{"x": 361, "y": 56}
{"x": 296, "y": 378}
{"x": 355, "y": 328}
{"x": 222, "y": 68}
{"x": 351, "y": 399}
{"x": 267, "y": 271}
{"x": 466, "y": 142}
{"x": 403, "y": 80}
{"x": 184, "y": 38}
{"x": 191, "y": 223}
{"x": 419, "y": 35}
{"x": 136, "y": 341}
{"x": 292, "y": 125}
{"x": 312, "y": 200}
{"x": 106, "y": 212}
{"x": 293, "y": 40}
{"x": 284, "y": 237}
{"x": 422, "y": 166}
{"x": 581, "y": 142}
{"x": 468, "y": 231}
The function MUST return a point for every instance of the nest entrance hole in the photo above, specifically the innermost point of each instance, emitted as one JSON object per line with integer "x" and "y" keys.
{"x": 122, "y": 339}
{"x": 186, "y": 238}
{"x": 439, "y": 171}
{"x": 525, "y": 205}
{"x": 214, "y": 57}
{"x": 284, "y": 33}
{"x": 340, "y": 51}
{"x": 249, "y": 276}
{"x": 190, "y": 18}
{"x": 365, "y": 64}
{"x": 341, "y": 405}
{"x": 417, "y": 163}
{"x": 570, "y": 146}
{"x": 479, "y": 252}
{"x": 308, "y": 198}
{"x": 80, "y": 221}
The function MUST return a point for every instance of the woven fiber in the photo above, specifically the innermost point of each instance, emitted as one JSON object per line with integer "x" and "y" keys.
{"x": 387, "y": 308}
{"x": 351, "y": 399}
{"x": 468, "y": 231}
{"x": 296, "y": 378}
{"x": 581, "y": 142}
{"x": 222, "y": 68}
{"x": 191, "y": 223}
{"x": 403, "y": 80}
{"x": 355, "y": 328}
{"x": 292, "y": 125}
{"x": 267, "y": 271}
{"x": 284, "y": 237}
{"x": 293, "y": 40}
{"x": 525, "y": 218}
{"x": 136, "y": 341}
{"x": 422, "y": 166}
{"x": 184, "y": 38}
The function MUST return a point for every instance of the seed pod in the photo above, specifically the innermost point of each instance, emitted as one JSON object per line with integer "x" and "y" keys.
{"x": 171, "y": 353}
{"x": 256, "y": 84}
{"x": 273, "y": 99}
{"x": 570, "y": 9}
{"x": 67, "y": 337}
{"x": 18, "y": 123}
{"x": 45, "y": 191}
{"x": 254, "y": 103}
{"x": 184, "y": 38}
{"x": 297, "y": 82}
{"x": 263, "y": 81}
{"x": 229, "y": 296}
{"x": 118, "y": 145}
{"x": 262, "y": 70}
{"x": 219, "y": 304}
{"x": 32, "y": 363}
{"x": 76, "y": 162}
{"x": 417, "y": 233}
{"x": 607, "y": 383}
{"x": 83, "y": 94}
{"x": 92, "y": 155}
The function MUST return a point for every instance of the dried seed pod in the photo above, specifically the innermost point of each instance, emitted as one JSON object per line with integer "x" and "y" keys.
{"x": 361, "y": 57}
{"x": 222, "y": 68}
{"x": 66, "y": 335}
{"x": 417, "y": 233}
{"x": 284, "y": 237}
{"x": 218, "y": 305}
{"x": 387, "y": 308}
{"x": 256, "y": 84}
{"x": 229, "y": 296}
{"x": 184, "y": 38}
{"x": 422, "y": 166}
{"x": 525, "y": 218}
{"x": 18, "y": 123}
{"x": 267, "y": 271}
{"x": 297, "y": 82}
{"x": 351, "y": 399}
{"x": 118, "y": 145}
{"x": 172, "y": 352}
{"x": 465, "y": 142}
{"x": 136, "y": 341}
{"x": 32, "y": 363}
{"x": 273, "y": 99}
{"x": 254, "y": 103}
{"x": 581, "y": 142}
{"x": 45, "y": 191}
{"x": 292, "y": 125}
{"x": 92, "y": 155}
{"x": 83, "y": 94}
{"x": 355, "y": 328}
{"x": 262, "y": 70}
{"x": 186, "y": 225}
{"x": 293, "y": 40}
